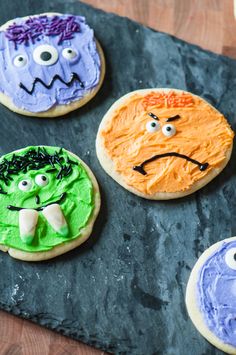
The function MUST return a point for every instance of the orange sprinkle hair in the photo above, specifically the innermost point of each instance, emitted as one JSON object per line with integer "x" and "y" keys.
{"x": 170, "y": 99}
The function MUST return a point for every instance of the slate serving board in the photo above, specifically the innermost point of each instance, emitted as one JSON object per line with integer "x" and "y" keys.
{"x": 123, "y": 291}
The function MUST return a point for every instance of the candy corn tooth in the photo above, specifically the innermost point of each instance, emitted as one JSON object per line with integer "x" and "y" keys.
{"x": 56, "y": 219}
{"x": 28, "y": 219}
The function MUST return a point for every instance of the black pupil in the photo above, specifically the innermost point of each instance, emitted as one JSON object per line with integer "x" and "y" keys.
{"x": 235, "y": 256}
{"x": 24, "y": 183}
{"x": 69, "y": 51}
{"x": 153, "y": 124}
{"x": 43, "y": 178}
{"x": 20, "y": 59}
{"x": 168, "y": 128}
{"x": 45, "y": 56}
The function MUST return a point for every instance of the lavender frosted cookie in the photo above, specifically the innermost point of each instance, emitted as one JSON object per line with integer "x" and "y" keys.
{"x": 50, "y": 64}
{"x": 211, "y": 295}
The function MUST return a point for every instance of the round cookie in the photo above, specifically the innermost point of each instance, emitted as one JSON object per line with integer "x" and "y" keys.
{"x": 163, "y": 143}
{"x": 50, "y": 64}
{"x": 49, "y": 200}
{"x": 211, "y": 295}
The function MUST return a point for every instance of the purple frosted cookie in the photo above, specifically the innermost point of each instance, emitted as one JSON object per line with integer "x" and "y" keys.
{"x": 211, "y": 295}
{"x": 50, "y": 64}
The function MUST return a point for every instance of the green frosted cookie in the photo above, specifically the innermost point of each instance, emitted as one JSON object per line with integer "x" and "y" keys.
{"x": 49, "y": 202}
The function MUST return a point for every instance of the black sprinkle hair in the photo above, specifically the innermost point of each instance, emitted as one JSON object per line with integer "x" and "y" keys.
{"x": 35, "y": 159}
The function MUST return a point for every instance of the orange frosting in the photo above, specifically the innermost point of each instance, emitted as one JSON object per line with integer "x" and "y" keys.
{"x": 202, "y": 134}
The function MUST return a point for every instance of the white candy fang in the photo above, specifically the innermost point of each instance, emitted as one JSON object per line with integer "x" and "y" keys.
{"x": 28, "y": 219}
{"x": 56, "y": 219}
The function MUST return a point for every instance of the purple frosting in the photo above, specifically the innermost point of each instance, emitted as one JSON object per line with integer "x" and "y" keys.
{"x": 35, "y": 87}
{"x": 217, "y": 294}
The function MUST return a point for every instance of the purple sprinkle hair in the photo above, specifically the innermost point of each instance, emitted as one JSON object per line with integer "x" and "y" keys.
{"x": 34, "y": 27}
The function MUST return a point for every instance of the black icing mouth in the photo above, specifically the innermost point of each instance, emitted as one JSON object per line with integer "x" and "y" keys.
{"x": 74, "y": 77}
{"x": 141, "y": 170}
{"x": 15, "y": 208}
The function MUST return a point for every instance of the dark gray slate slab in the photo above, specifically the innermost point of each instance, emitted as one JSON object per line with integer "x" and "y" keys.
{"x": 123, "y": 291}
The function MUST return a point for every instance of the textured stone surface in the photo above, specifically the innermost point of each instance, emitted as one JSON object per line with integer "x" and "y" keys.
{"x": 123, "y": 290}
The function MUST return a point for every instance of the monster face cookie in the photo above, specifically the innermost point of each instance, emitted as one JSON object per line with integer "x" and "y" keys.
{"x": 211, "y": 295}
{"x": 163, "y": 143}
{"x": 50, "y": 64}
{"x": 49, "y": 202}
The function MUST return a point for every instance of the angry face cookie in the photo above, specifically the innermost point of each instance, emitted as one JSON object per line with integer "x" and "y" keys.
{"x": 163, "y": 143}
{"x": 49, "y": 200}
{"x": 50, "y": 64}
{"x": 211, "y": 295}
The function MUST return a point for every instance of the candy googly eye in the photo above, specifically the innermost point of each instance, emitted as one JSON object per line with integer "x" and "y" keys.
{"x": 20, "y": 61}
{"x": 25, "y": 185}
{"x": 69, "y": 53}
{"x": 152, "y": 126}
{"x": 41, "y": 180}
{"x": 169, "y": 130}
{"x": 45, "y": 55}
{"x": 230, "y": 258}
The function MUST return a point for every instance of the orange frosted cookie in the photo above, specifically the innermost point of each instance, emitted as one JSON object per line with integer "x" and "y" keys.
{"x": 163, "y": 143}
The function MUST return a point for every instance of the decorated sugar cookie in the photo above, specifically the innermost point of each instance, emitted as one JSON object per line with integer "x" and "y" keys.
{"x": 49, "y": 200}
{"x": 50, "y": 64}
{"x": 163, "y": 143}
{"x": 211, "y": 295}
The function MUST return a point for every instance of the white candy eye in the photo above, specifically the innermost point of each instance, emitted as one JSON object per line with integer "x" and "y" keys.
{"x": 20, "y": 61}
{"x": 169, "y": 130}
{"x": 25, "y": 185}
{"x": 45, "y": 55}
{"x": 152, "y": 126}
{"x": 230, "y": 258}
{"x": 69, "y": 53}
{"x": 41, "y": 180}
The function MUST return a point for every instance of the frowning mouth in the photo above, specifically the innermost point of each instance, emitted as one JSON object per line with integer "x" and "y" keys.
{"x": 74, "y": 77}
{"x": 61, "y": 199}
{"x": 141, "y": 170}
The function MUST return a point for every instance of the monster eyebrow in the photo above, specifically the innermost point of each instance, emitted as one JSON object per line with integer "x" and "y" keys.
{"x": 153, "y": 116}
{"x": 170, "y": 119}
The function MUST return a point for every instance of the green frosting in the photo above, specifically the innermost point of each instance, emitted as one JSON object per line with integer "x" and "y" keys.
{"x": 77, "y": 206}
